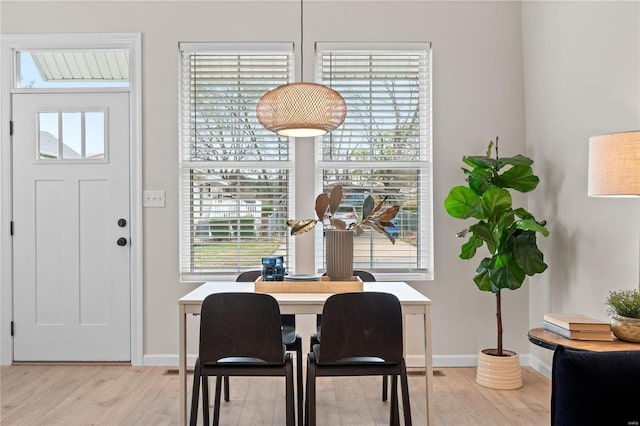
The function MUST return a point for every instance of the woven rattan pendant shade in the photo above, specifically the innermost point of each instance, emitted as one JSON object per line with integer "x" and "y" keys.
{"x": 301, "y": 109}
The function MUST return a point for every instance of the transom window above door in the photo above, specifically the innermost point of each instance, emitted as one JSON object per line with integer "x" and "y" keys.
{"x": 72, "y": 68}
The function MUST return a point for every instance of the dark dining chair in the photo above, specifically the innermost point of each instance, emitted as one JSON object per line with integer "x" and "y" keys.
{"x": 239, "y": 336}
{"x": 290, "y": 339}
{"x": 366, "y": 277}
{"x": 361, "y": 336}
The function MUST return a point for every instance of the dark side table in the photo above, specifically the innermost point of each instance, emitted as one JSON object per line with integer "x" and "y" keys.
{"x": 549, "y": 340}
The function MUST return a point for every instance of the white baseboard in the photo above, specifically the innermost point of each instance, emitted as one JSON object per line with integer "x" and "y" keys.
{"x": 540, "y": 366}
{"x": 167, "y": 360}
{"x": 415, "y": 361}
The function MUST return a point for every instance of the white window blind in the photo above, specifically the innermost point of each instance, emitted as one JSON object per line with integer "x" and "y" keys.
{"x": 235, "y": 176}
{"x": 383, "y": 148}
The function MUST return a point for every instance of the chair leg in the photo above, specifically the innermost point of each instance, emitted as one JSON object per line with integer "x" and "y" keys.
{"x": 195, "y": 395}
{"x": 299, "y": 377}
{"x": 310, "y": 414}
{"x": 404, "y": 383}
{"x": 226, "y": 388}
{"x": 291, "y": 410}
{"x": 384, "y": 388}
{"x": 205, "y": 400}
{"x": 394, "y": 411}
{"x": 216, "y": 404}
{"x": 313, "y": 340}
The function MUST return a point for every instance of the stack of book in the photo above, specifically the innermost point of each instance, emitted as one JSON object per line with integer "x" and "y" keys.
{"x": 578, "y": 327}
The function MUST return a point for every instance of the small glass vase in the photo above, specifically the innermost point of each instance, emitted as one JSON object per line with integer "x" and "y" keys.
{"x": 339, "y": 254}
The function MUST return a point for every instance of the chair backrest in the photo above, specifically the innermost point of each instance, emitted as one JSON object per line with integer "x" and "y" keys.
{"x": 244, "y": 325}
{"x": 361, "y": 324}
{"x": 288, "y": 321}
{"x": 248, "y": 276}
{"x": 366, "y": 277}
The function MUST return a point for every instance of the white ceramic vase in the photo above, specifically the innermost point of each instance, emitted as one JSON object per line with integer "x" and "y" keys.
{"x": 339, "y": 254}
{"x": 499, "y": 372}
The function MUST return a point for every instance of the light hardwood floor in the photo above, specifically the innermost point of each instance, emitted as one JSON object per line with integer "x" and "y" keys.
{"x": 124, "y": 395}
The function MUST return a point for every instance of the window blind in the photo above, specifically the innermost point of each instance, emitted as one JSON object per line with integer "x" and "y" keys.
{"x": 383, "y": 148}
{"x": 235, "y": 190}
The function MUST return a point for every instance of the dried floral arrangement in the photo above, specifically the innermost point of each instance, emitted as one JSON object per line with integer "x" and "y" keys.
{"x": 372, "y": 215}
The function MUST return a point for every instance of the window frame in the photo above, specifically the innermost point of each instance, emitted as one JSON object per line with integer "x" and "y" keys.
{"x": 185, "y": 164}
{"x": 425, "y": 240}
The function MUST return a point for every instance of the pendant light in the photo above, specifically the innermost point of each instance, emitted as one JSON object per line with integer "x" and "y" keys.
{"x": 301, "y": 109}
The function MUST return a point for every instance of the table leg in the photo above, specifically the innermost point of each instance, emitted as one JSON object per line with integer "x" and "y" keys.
{"x": 428, "y": 363}
{"x": 182, "y": 364}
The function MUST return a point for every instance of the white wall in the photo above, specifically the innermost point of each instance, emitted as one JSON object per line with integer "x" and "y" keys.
{"x": 478, "y": 93}
{"x": 582, "y": 78}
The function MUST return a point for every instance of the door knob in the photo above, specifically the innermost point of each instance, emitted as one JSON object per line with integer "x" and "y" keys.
{"x": 122, "y": 223}
{"x": 122, "y": 241}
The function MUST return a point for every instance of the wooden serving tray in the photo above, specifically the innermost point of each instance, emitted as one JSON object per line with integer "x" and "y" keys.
{"x": 322, "y": 286}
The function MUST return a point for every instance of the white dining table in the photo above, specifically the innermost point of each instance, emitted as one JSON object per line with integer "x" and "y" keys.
{"x": 413, "y": 303}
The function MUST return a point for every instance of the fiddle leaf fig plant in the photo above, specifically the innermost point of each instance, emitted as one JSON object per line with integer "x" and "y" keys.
{"x": 509, "y": 234}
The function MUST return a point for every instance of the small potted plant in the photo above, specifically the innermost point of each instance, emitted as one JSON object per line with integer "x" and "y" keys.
{"x": 624, "y": 308}
{"x": 339, "y": 235}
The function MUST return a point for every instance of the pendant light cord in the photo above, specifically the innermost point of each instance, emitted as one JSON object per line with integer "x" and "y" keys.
{"x": 301, "y": 40}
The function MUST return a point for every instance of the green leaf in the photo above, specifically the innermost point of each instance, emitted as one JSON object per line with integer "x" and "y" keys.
{"x": 480, "y": 161}
{"x": 479, "y": 180}
{"x": 506, "y": 220}
{"x": 520, "y": 178}
{"x": 532, "y": 225}
{"x": 522, "y": 213}
{"x": 482, "y": 275}
{"x": 468, "y": 249}
{"x": 501, "y": 260}
{"x": 518, "y": 160}
{"x": 462, "y": 202}
{"x": 510, "y": 276}
{"x": 484, "y": 231}
{"x": 495, "y": 201}
{"x": 527, "y": 254}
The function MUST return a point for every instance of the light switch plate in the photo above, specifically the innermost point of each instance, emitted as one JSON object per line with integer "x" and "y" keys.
{"x": 153, "y": 199}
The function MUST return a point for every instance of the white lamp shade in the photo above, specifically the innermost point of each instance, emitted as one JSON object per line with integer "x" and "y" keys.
{"x": 301, "y": 109}
{"x": 614, "y": 165}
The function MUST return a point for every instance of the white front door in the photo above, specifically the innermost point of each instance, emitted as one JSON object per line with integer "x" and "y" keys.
{"x": 71, "y": 281}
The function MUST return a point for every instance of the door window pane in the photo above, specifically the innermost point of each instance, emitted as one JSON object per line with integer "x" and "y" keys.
{"x": 94, "y": 134}
{"x": 71, "y": 135}
{"x": 48, "y": 135}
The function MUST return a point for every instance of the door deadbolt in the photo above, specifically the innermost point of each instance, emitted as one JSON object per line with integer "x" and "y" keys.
{"x": 122, "y": 241}
{"x": 122, "y": 223}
